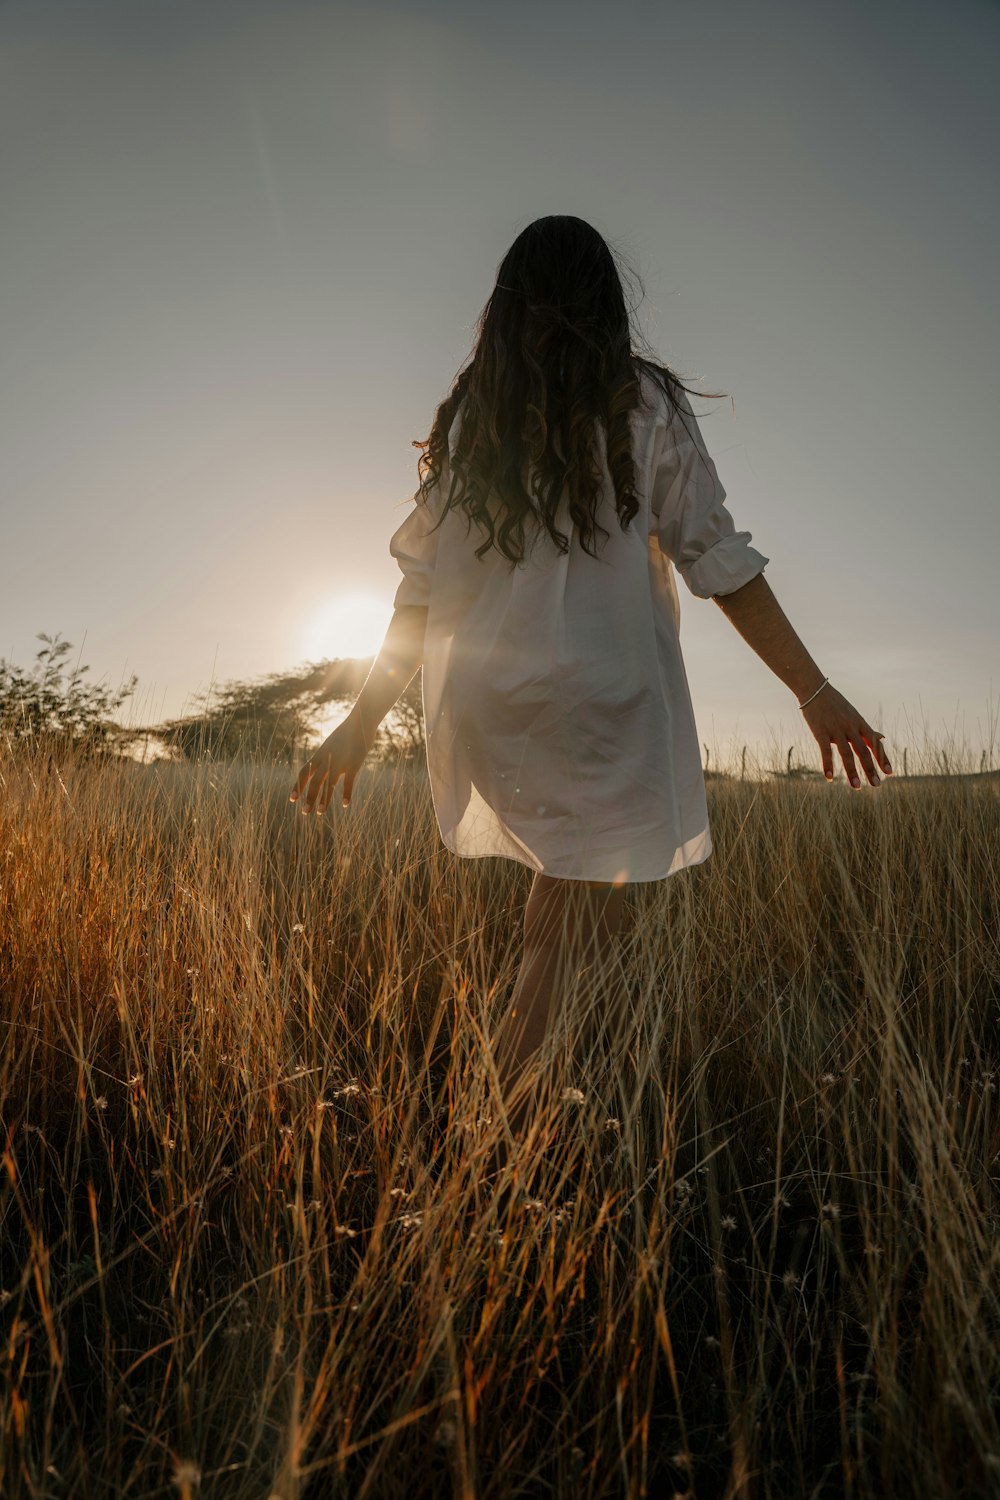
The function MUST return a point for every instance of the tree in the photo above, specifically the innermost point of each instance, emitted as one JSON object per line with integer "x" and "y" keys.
{"x": 53, "y": 707}
{"x": 276, "y": 717}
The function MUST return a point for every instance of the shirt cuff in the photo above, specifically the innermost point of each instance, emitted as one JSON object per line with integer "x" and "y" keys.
{"x": 725, "y": 567}
{"x": 414, "y": 588}
{"x": 414, "y": 546}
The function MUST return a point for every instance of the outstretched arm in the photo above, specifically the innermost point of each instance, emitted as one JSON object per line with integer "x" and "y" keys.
{"x": 401, "y": 654}
{"x": 343, "y": 751}
{"x": 756, "y": 614}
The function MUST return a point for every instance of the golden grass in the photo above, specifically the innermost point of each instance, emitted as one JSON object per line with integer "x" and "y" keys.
{"x": 245, "y": 1242}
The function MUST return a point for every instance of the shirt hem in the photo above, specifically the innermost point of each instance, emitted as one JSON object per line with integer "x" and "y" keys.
{"x": 704, "y": 853}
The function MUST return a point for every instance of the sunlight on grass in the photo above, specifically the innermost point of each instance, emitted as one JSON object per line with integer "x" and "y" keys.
{"x": 249, "y": 1244}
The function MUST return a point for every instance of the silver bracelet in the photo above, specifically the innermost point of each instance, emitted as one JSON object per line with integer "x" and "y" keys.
{"x": 818, "y": 690}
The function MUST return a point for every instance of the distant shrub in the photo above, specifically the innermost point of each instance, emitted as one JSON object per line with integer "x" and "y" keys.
{"x": 53, "y": 707}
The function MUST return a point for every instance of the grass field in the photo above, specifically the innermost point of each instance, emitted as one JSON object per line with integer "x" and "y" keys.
{"x": 245, "y": 1248}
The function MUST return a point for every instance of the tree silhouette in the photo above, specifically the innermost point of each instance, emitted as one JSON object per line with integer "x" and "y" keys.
{"x": 277, "y": 717}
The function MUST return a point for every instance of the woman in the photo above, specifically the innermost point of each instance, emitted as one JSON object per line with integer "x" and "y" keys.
{"x": 558, "y": 721}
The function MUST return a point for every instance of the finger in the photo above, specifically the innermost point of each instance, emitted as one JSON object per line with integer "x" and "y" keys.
{"x": 301, "y": 781}
{"x": 875, "y": 738}
{"x": 315, "y": 789}
{"x": 846, "y": 755}
{"x": 348, "y": 787}
{"x": 865, "y": 757}
{"x": 328, "y": 790}
{"x": 826, "y": 752}
{"x": 300, "y": 786}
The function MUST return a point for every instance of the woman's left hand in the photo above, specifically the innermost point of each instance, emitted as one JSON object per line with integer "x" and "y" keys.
{"x": 835, "y": 721}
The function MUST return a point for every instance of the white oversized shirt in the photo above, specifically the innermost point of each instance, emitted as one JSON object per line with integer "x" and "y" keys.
{"x": 558, "y": 721}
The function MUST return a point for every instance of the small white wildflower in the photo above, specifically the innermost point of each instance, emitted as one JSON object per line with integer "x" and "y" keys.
{"x": 830, "y": 1211}
{"x": 135, "y": 1080}
{"x": 347, "y": 1088}
{"x": 298, "y": 927}
{"x": 324, "y": 1104}
{"x": 101, "y": 1102}
{"x": 410, "y": 1220}
{"x": 399, "y": 1192}
{"x": 535, "y": 1204}
{"x": 193, "y": 972}
{"x": 728, "y": 1222}
{"x": 286, "y": 1130}
{"x": 710, "y": 1341}
{"x": 613, "y": 1123}
{"x": 791, "y": 1279}
{"x": 350, "y": 1233}
{"x": 574, "y": 1096}
{"x": 186, "y": 1471}
{"x": 828, "y": 1078}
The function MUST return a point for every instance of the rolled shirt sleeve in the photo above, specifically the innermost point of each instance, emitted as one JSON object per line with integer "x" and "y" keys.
{"x": 414, "y": 546}
{"x": 693, "y": 526}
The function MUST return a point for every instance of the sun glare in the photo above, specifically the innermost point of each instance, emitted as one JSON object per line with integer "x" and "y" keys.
{"x": 349, "y": 625}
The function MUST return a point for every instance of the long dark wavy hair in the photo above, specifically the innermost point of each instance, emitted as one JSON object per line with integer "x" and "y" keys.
{"x": 553, "y": 358}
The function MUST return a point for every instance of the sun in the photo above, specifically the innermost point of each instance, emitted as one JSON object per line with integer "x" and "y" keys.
{"x": 347, "y": 626}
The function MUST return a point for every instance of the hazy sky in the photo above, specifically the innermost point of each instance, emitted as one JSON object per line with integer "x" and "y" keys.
{"x": 243, "y": 248}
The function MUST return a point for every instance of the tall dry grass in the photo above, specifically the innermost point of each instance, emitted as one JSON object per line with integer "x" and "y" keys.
{"x": 245, "y": 1105}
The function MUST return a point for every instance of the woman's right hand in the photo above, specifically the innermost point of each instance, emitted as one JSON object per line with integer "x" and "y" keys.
{"x": 342, "y": 753}
{"x": 835, "y": 721}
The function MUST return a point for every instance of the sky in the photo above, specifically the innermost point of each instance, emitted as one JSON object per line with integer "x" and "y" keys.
{"x": 244, "y": 247}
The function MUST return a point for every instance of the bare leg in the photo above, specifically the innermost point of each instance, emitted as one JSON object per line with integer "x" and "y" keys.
{"x": 568, "y": 926}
